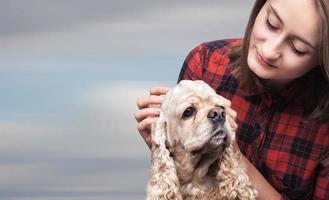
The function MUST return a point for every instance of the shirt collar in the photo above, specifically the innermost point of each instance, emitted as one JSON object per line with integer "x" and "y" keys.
{"x": 294, "y": 93}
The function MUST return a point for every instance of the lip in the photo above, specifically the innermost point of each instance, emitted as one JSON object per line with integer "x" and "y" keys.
{"x": 218, "y": 136}
{"x": 261, "y": 60}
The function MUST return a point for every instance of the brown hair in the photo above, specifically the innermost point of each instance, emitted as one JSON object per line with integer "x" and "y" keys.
{"x": 318, "y": 104}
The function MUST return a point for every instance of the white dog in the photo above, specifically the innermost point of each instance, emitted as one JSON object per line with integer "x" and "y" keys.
{"x": 192, "y": 156}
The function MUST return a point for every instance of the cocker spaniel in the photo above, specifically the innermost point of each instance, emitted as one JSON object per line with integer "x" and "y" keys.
{"x": 192, "y": 155}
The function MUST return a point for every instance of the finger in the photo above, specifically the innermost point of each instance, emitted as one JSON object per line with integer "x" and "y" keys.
{"x": 155, "y": 105}
{"x": 146, "y": 123}
{"x": 232, "y": 122}
{"x": 144, "y": 102}
{"x": 229, "y": 111}
{"x": 159, "y": 90}
{"x": 234, "y": 127}
{"x": 144, "y": 129}
{"x": 225, "y": 101}
{"x": 146, "y": 135}
{"x": 147, "y": 112}
{"x": 236, "y": 149}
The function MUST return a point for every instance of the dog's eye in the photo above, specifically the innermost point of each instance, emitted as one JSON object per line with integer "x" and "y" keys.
{"x": 188, "y": 112}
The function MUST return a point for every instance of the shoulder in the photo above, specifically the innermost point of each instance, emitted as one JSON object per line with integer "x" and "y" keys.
{"x": 213, "y": 54}
{"x": 211, "y": 51}
{"x": 216, "y": 45}
{"x": 209, "y": 62}
{"x": 206, "y": 49}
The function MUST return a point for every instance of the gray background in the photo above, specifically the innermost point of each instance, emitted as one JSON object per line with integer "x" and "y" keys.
{"x": 70, "y": 74}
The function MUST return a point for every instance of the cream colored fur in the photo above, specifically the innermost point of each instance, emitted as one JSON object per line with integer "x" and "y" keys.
{"x": 178, "y": 171}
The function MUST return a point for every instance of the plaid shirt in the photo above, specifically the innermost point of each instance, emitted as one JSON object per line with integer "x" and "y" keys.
{"x": 271, "y": 133}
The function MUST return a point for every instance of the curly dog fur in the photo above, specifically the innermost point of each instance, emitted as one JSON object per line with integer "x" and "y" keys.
{"x": 185, "y": 167}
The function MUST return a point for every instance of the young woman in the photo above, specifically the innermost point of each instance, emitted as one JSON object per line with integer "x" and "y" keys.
{"x": 277, "y": 79}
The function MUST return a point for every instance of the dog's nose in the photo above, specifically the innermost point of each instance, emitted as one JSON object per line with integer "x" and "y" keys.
{"x": 217, "y": 115}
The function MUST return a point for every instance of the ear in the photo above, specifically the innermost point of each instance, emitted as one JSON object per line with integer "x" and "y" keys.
{"x": 163, "y": 182}
{"x": 226, "y": 176}
{"x": 158, "y": 134}
{"x": 233, "y": 181}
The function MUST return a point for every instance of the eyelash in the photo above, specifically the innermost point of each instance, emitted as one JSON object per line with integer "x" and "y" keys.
{"x": 292, "y": 47}
{"x": 269, "y": 25}
{"x": 299, "y": 53}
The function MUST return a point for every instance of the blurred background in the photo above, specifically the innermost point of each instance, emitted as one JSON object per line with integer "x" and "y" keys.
{"x": 70, "y": 74}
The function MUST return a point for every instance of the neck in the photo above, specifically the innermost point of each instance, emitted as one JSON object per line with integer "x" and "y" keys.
{"x": 277, "y": 85}
{"x": 197, "y": 171}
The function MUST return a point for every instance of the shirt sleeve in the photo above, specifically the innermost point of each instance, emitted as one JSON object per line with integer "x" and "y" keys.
{"x": 321, "y": 191}
{"x": 322, "y": 184}
{"x": 192, "y": 68}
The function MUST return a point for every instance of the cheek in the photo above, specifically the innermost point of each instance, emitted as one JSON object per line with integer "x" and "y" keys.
{"x": 257, "y": 34}
{"x": 259, "y": 30}
{"x": 184, "y": 129}
{"x": 298, "y": 67}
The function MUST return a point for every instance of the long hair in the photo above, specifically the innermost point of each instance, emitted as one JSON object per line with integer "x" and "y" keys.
{"x": 317, "y": 108}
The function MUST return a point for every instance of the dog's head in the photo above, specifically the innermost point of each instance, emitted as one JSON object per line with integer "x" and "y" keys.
{"x": 195, "y": 118}
{"x": 191, "y": 147}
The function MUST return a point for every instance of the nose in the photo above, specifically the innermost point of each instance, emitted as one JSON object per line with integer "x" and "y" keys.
{"x": 271, "y": 48}
{"x": 217, "y": 115}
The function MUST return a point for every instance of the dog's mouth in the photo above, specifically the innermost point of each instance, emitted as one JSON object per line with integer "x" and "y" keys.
{"x": 218, "y": 138}
{"x": 217, "y": 135}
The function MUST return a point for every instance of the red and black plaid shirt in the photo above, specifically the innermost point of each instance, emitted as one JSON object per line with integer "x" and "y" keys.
{"x": 271, "y": 133}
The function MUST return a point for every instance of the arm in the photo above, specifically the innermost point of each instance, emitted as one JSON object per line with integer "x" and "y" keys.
{"x": 322, "y": 184}
{"x": 266, "y": 191}
{"x": 264, "y": 188}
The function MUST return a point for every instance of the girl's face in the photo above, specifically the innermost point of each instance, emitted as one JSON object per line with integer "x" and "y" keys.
{"x": 284, "y": 41}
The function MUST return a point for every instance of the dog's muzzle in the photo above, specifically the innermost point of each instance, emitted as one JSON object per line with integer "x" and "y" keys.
{"x": 217, "y": 118}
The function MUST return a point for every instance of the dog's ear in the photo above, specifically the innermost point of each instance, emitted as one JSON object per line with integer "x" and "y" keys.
{"x": 232, "y": 178}
{"x": 163, "y": 182}
{"x": 158, "y": 133}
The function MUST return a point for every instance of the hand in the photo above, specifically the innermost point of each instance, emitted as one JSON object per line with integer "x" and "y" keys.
{"x": 230, "y": 115}
{"x": 231, "y": 118}
{"x": 149, "y": 111}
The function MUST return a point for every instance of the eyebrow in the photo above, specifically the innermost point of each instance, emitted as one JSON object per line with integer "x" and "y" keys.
{"x": 296, "y": 36}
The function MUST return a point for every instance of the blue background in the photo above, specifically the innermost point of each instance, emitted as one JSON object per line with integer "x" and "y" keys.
{"x": 70, "y": 74}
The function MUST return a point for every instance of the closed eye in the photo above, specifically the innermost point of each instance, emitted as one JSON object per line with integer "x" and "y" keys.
{"x": 295, "y": 50}
{"x": 269, "y": 25}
